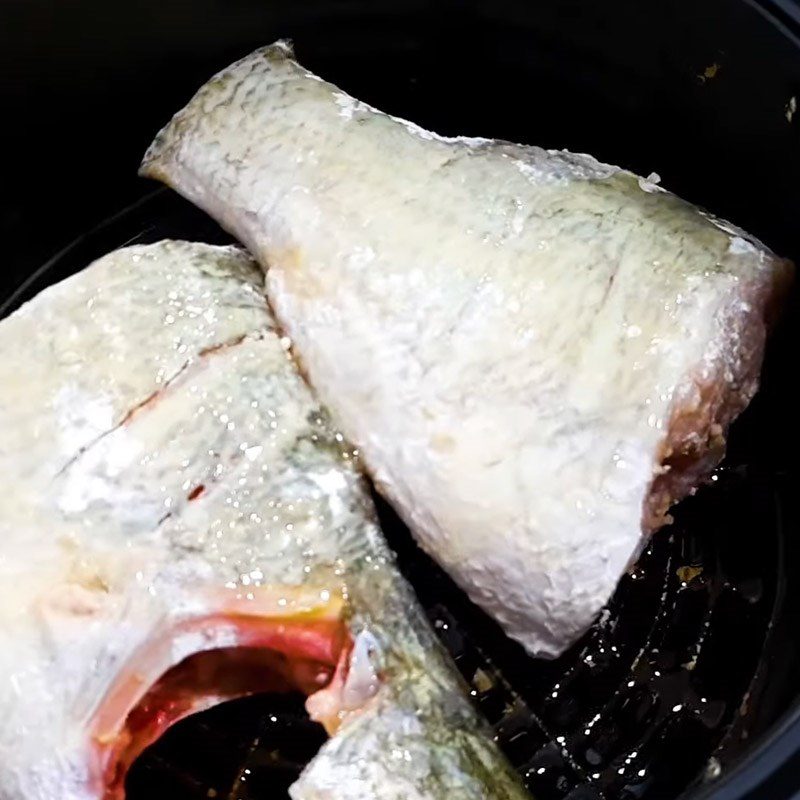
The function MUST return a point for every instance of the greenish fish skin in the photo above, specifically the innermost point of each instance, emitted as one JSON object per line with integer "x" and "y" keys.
{"x": 166, "y": 471}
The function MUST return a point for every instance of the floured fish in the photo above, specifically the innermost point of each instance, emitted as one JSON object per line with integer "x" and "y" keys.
{"x": 536, "y": 353}
{"x": 180, "y": 525}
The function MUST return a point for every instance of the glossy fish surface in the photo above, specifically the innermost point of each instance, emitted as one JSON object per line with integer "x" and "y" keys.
{"x": 535, "y": 352}
{"x": 180, "y": 524}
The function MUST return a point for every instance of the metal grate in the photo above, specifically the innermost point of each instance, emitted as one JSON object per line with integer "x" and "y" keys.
{"x": 659, "y": 693}
{"x": 663, "y": 691}
{"x": 656, "y": 696}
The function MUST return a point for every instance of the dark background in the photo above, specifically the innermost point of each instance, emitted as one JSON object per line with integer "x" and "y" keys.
{"x": 84, "y": 85}
{"x": 699, "y": 92}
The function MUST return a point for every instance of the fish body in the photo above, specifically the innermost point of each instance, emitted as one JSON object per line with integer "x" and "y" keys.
{"x": 536, "y": 353}
{"x": 180, "y": 524}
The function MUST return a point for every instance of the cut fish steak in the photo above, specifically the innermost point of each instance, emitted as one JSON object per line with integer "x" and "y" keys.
{"x": 180, "y": 524}
{"x": 536, "y": 353}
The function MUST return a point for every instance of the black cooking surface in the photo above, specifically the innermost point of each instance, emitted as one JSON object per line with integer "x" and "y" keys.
{"x": 255, "y": 747}
{"x": 695, "y": 660}
{"x": 659, "y": 694}
{"x": 663, "y": 692}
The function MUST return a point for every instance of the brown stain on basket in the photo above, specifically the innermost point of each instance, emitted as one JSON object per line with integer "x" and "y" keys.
{"x": 709, "y": 73}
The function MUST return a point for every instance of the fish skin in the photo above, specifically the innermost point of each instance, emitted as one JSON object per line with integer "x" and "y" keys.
{"x": 535, "y": 352}
{"x": 155, "y": 371}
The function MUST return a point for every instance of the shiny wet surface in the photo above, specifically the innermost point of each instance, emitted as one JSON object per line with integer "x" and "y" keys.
{"x": 663, "y": 692}
{"x": 711, "y": 115}
{"x": 666, "y": 688}
{"x": 688, "y": 663}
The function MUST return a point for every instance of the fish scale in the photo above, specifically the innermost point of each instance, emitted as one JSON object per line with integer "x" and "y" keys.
{"x": 539, "y": 710}
{"x": 204, "y": 753}
{"x": 536, "y": 354}
{"x": 201, "y": 532}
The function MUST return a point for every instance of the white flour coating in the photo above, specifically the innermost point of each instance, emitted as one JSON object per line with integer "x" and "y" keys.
{"x": 514, "y": 338}
{"x": 168, "y": 474}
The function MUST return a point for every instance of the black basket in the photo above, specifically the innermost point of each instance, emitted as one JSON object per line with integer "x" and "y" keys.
{"x": 688, "y": 683}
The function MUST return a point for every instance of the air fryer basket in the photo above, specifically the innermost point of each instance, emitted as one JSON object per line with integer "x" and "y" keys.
{"x": 688, "y": 681}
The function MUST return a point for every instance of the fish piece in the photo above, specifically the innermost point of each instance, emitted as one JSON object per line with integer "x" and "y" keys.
{"x": 536, "y": 353}
{"x": 180, "y": 524}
